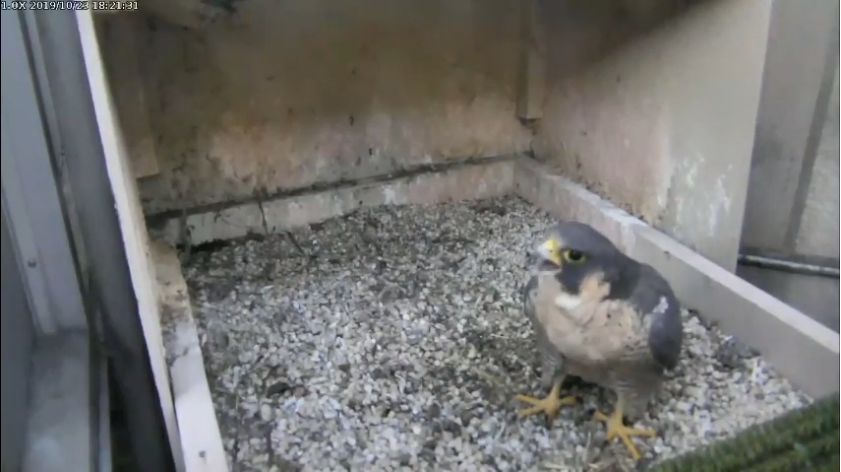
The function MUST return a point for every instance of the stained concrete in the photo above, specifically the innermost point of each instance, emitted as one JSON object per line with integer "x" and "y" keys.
{"x": 283, "y": 95}
{"x": 663, "y": 124}
{"x": 652, "y": 104}
{"x": 477, "y": 179}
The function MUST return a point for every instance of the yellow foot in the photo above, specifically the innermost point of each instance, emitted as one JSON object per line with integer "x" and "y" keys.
{"x": 617, "y": 429}
{"x": 550, "y": 405}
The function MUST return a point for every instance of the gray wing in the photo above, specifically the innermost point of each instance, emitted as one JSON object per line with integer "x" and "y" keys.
{"x": 653, "y": 297}
{"x": 529, "y": 295}
{"x": 550, "y": 359}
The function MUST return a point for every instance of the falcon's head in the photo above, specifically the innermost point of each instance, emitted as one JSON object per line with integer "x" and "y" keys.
{"x": 581, "y": 259}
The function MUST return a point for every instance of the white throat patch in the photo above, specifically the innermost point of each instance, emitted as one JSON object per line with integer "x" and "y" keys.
{"x": 568, "y": 302}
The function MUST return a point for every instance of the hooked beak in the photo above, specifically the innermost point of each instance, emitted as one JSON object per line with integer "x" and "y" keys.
{"x": 550, "y": 252}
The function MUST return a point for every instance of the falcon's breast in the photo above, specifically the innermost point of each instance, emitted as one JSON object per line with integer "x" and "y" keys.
{"x": 595, "y": 334}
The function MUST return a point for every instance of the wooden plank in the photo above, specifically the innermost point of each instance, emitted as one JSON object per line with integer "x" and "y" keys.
{"x": 200, "y": 437}
{"x": 132, "y": 224}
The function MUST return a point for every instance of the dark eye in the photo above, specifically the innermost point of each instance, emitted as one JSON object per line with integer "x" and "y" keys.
{"x": 571, "y": 255}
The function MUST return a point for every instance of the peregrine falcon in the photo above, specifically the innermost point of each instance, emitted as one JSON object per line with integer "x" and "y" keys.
{"x": 604, "y": 317}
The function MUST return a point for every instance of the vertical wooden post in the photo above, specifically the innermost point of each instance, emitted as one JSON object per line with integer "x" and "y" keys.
{"x": 532, "y": 81}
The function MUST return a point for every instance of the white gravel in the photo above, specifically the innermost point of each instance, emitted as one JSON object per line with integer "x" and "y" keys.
{"x": 393, "y": 338}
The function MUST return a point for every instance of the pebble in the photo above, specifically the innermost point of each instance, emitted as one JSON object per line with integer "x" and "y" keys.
{"x": 396, "y": 340}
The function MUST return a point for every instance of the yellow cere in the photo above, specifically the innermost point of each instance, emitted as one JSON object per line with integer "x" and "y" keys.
{"x": 552, "y": 248}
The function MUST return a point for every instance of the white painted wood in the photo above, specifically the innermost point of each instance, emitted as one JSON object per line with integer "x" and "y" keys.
{"x": 132, "y": 223}
{"x": 200, "y": 437}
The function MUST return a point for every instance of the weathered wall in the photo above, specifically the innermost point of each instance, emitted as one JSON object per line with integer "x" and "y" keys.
{"x": 815, "y": 237}
{"x": 790, "y": 116}
{"x": 282, "y": 95}
{"x": 819, "y": 228}
{"x": 663, "y": 124}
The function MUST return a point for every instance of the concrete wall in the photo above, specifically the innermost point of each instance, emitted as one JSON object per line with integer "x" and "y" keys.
{"x": 819, "y": 227}
{"x": 812, "y": 227}
{"x": 791, "y": 116}
{"x": 663, "y": 124}
{"x": 282, "y": 95}
{"x": 792, "y": 206}
{"x": 651, "y": 103}
{"x": 18, "y": 334}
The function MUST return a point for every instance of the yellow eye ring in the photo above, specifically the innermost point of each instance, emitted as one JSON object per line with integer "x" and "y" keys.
{"x": 573, "y": 257}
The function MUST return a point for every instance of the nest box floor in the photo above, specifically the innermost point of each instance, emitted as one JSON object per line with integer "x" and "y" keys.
{"x": 394, "y": 338}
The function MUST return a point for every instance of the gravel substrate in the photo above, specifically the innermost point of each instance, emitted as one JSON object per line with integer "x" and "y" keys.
{"x": 393, "y": 338}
